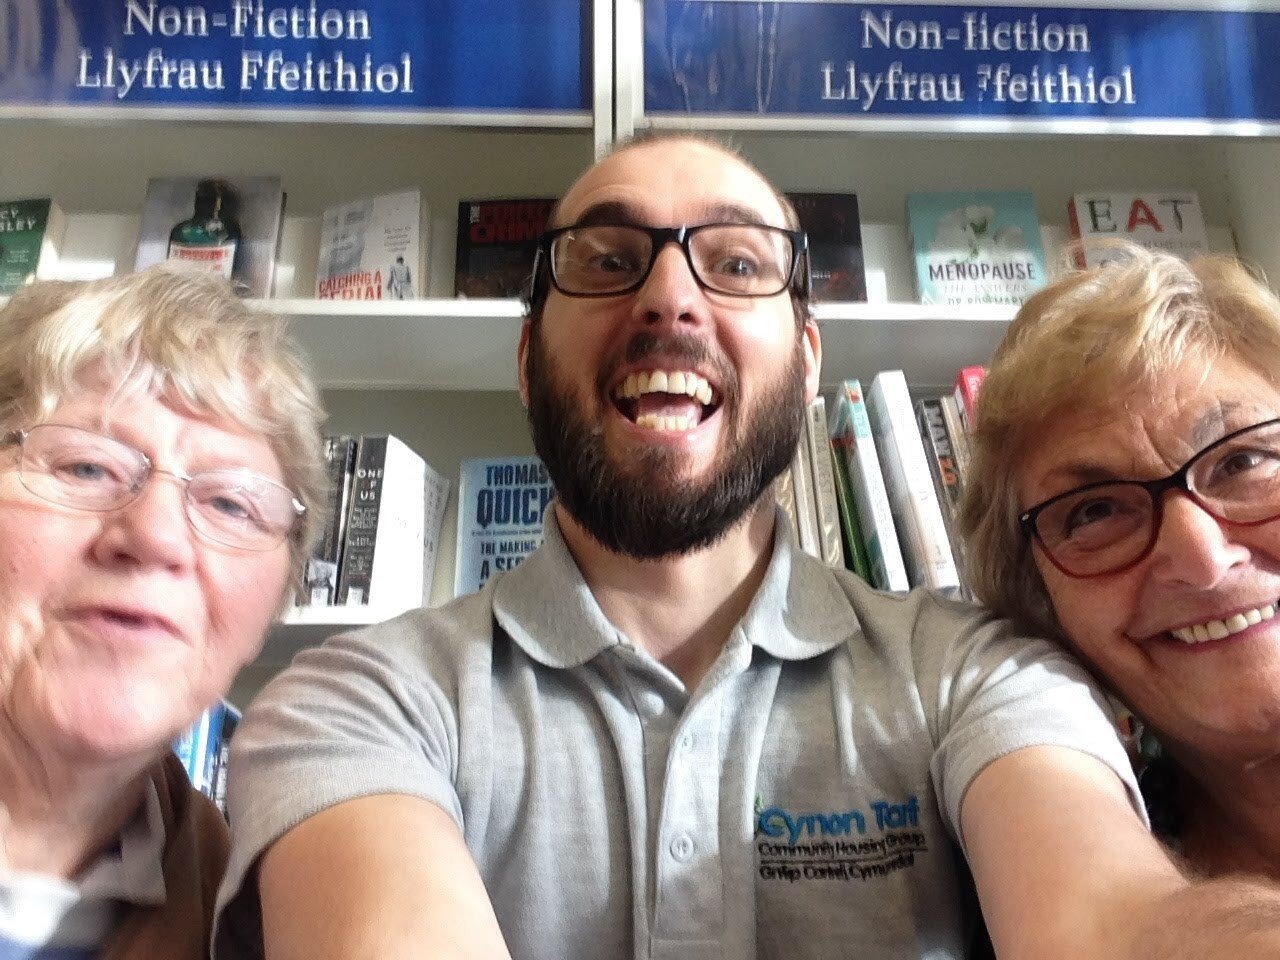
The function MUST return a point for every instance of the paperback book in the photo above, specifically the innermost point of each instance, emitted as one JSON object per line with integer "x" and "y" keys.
{"x": 835, "y": 244}
{"x": 1169, "y": 220}
{"x": 976, "y": 247}
{"x": 388, "y": 553}
{"x": 31, "y": 232}
{"x": 229, "y": 227}
{"x": 497, "y": 240}
{"x": 374, "y": 249}
{"x": 501, "y": 502}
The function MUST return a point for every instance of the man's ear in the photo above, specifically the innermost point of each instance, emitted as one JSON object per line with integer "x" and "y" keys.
{"x": 812, "y": 359}
{"x": 522, "y": 360}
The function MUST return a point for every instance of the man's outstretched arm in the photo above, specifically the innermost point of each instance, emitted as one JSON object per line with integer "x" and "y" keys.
{"x": 1065, "y": 868}
{"x": 378, "y": 877}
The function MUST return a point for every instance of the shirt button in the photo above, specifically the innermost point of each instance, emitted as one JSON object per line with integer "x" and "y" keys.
{"x": 650, "y": 703}
{"x": 682, "y": 848}
{"x": 686, "y": 743}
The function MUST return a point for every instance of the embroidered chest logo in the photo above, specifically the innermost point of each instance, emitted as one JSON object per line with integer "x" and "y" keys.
{"x": 842, "y": 845}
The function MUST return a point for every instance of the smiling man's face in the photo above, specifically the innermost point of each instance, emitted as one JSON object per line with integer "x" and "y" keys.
{"x": 648, "y": 466}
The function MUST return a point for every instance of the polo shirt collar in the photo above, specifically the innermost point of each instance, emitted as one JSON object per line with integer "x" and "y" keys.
{"x": 545, "y": 606}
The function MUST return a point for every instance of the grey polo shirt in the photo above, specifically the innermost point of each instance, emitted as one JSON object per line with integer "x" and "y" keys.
{"x": 802, "y": 802}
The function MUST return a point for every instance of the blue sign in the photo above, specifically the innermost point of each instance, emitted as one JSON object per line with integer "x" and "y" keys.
{"x": 367, "y": 55}
{"x": 850, "y": 60}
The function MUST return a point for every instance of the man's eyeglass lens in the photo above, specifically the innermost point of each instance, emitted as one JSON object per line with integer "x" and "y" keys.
{"x": 1106, "y": 527}
{"x": 738, "y": 259}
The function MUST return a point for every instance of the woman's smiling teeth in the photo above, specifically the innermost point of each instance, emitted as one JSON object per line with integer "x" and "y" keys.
{"x": 668, "y": 400}
{"x": 1218, "y": 629}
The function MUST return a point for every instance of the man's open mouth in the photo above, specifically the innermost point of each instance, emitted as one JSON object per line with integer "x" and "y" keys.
{"x": 670, "y": 400}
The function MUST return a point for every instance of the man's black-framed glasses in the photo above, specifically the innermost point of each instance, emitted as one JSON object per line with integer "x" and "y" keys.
{"x": 79, "y": 468}
{"x": 1110, "y": 526}
{"x": 735, "y": 259}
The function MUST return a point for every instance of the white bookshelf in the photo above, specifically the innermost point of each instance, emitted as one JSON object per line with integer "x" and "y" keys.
{"x": 441, "y": 372}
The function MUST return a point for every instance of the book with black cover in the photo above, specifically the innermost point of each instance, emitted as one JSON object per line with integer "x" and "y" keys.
{"x": 835, "y": 244}
{"x": 497, "y": 240}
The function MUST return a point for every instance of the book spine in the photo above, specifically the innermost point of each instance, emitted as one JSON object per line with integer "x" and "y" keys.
{"x": 827, "y": 511}
{"x": 1073, "y": 216}
{"x": 362, "y": 522}
{"x": 436, "y": 498}
{"x": 806, "y": 508}
{"x": 942, "y": 468}
{"x": 395, "y": 576}
{"x": 884, "y": 553}
{"x": 916, "y": 511}
{"x": 322, "y": 567}
{"x": 968, "y": 383}
{"x": 855, "y": 550}
{"x": 957, "y": 435}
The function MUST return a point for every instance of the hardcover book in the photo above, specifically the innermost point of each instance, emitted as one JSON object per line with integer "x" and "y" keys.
{"x": 1168, "y": 220}
{"x": 228, "y": 226}
{"x": 320, "y": 580}
{"x": 374, "y": 249}
{"x": 501, "y": 502}
{"x": 835, "y": 244}
{"x": 824, "y": 483}
{"x": 976, "y": 247}
{"x": 383, "y": 553}
{"x": 497, "y": 240}
{"x": 31, "y": 232}
{"x": 926, "y": 549}
{"x": 852, "y": 437}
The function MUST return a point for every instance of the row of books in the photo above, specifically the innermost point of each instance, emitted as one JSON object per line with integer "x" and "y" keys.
{"x": 875, "y": 486}
{"x": 969, "y": 247}
{"x": 203, "y": 750}
{"x": 381, "y": 533}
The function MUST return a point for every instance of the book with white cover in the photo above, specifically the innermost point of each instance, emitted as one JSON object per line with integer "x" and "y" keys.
{"x": 383, "y": 557}
{"x": 806, "y": 507}
{"x": 1169, "y": 220}
{"x": 852, "y": 428}
{"x": 374, "y": 249}
{"x": 912, "y": 497}
{"x": 824, "y": 484}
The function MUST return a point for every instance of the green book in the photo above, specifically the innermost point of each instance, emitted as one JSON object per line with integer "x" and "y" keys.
{"x": 855, "y": 549}
{"x": 30, "y": 234}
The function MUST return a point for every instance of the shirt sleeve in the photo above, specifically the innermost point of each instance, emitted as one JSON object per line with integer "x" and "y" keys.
{"x": 368, "y": 713}
{"x": 993, "y": 690}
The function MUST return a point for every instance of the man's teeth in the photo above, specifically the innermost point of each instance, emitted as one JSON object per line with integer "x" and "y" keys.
{"x": 679, "y": 382}
{"x": 1217, "y": 629}
{"x": 653, "y": 421}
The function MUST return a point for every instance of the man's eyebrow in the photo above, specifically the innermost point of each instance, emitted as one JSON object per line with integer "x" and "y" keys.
{"x": 616, "y": 212}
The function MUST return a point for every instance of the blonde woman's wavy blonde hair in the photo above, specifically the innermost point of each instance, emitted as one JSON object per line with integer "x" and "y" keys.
{"x": 1077, "y": 344}
{"x": 173, "y": 333}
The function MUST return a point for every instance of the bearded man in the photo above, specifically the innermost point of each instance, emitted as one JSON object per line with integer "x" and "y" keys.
{"x": 669, "y": 733}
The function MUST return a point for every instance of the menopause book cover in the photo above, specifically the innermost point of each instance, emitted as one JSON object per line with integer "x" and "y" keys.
{"x": 976, "y": 247}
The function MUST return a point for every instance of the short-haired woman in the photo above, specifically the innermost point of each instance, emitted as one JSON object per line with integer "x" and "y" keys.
{"x": 159, "y": 472}
{"x": 1124, "y": 495}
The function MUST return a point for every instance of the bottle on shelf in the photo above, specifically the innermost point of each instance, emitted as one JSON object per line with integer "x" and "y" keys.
{"x": 210, "y": 237}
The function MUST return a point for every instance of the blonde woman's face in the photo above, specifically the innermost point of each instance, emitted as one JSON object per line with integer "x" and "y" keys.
{"x": 117, "y": 629}
{"x": 1217, "y": 697}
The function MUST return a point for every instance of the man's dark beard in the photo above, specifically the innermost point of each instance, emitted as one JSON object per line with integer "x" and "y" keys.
{"x": 641, "y": 512}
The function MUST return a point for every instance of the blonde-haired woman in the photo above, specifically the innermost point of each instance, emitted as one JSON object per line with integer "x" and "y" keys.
{"x": 1125, "y": 496}
{"x": 159, "y": 469}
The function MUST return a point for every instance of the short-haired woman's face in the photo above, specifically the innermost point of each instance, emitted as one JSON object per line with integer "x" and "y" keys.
{"x": 118, "y": 628}
{"x": 1202, "y": 577}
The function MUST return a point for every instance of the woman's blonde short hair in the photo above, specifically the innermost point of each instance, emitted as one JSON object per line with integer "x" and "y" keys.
{"x": 1078, "y": 344}
{"x": 175, "y": 333}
